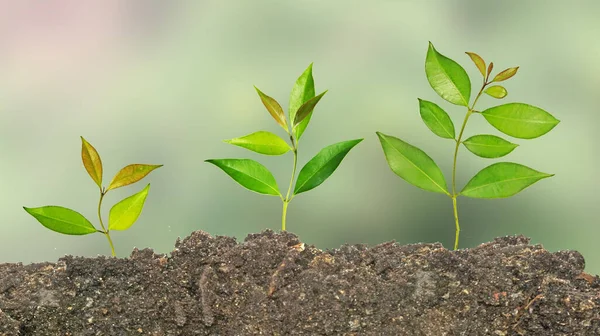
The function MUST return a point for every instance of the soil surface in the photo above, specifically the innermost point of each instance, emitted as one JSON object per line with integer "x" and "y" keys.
{"x": 273, "y": 284}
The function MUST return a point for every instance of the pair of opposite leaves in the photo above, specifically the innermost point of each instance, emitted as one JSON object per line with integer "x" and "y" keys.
{"x": 121, "y": 216}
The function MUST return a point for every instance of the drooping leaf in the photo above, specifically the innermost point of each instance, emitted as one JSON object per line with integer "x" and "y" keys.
{"x": 131, "y": 174}
{"x": 489, "y": 146}
{"x": 412, "y": 164}
{"x": 91, "y": 161}
{"x": 303, "y": 90}
{"x": 489, "y": 70}
{"x": 436, "y": 119}
{"x": 520, "y": 120}
{"x": 262, "y": 142}
{"x": 496, "y": 91}
{"x": 123, "y": 214}
{"x": 249, "y": 174}
{"x": 307, "y": 108}
{"x": 479, "y": 62}
{"x": 274, "y": 109}
{"x": 62, "y": 220}
{"x": 447, "y": 78}
{"x": 502, "y": 179}
{"x": 322, "y": 165}
{"x": 506, "y": 74}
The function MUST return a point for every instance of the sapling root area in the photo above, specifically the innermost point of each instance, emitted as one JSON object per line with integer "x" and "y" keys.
{"x": 274, "y": 284}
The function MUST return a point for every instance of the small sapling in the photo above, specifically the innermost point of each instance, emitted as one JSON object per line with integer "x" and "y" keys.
{"x": 256, "y": 177}
{"x": 121, "y": 216}
{"x": 502, "y": 179}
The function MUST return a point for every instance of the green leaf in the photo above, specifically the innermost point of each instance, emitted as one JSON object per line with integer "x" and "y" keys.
{"x": 123, "y": 214}
{"x": 489, "y": 146}
{"x": 303, "y": 90}
{"x": 502, "y": 179}
{"x": 274, "y": 109}
{"x": 262, "y": 142}
{"x": 250, "y": 174}
{"x": 322, "y": 165}
{"x": 520, "y": 120}
{"x": 91, "y": 161}
{"x": 447, "y": 78}
{"x": 307, "y": 108}
{"x": 62, "y": 220}
{"x": 479, "y": 62}
{"x": 131, "y": 174}
{"x": 412, "y": 164}
{"x": 506, "y": 74}
{"x": 496, "y": 91}
{"x": 436, "y": 119}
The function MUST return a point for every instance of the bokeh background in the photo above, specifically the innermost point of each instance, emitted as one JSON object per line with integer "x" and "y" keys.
{"x": 164, "y": 82}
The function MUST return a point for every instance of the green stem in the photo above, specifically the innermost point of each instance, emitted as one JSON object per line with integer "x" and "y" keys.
{"x": 284, "y": 214}
{"x": 104, "y": 230}
{"x": 458, "y": 141}
{"x": 287, "y": 198}
{"x": 456, "y": 220}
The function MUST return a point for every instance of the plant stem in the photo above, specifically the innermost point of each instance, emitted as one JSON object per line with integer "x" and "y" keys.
{"x": 104, "y": 230}
{"x": 456, "y": 220}
{"x": 287, "y": 198}
{"x": 470, "y": 110}
{"x": 284, "y": 214}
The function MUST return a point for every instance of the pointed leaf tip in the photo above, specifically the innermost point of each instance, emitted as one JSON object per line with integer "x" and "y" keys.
{"x": 436, "y": 119}
{"x": 479, "y": 62}
{"x": 489, "y": 146}
{"x": 506, "y": 74}
{"x": 412, "y": 164}
{"x": 307, "y": 108}
{"x": 262, "y": 142}
{"x": 303, "y": 91}
{"x": 123, "y": 214}
{"x": 131, "y": 174}
{"x": 249, "y": 174}
{"x": 489, "y": 70}
{"x": 447, "y": 78}
{"x": 62, "y": 220}
{"x": 91, "y": 161}
{"x": 520, "y": 120}
{"x": 501, "y": 180}
{"x": 322, "y": 165}
{"x": 273, "y": 108}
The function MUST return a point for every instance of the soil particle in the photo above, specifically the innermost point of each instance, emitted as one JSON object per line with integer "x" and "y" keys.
{"x": 273, "y": 284}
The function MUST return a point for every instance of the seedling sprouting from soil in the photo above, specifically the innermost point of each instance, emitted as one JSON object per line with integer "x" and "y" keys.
{"x": 256, "y": 177}
{"x": 122, "y": 215}
{"x": 503, "y": 179}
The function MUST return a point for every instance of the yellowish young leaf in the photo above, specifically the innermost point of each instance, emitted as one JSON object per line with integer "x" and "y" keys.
{"x": 91, "y": 161}
{"x": 131, "y": 174}
{"x": 274, "y": 109}
{"x": 479, "y": 62}
{"x": 506, "y": 74}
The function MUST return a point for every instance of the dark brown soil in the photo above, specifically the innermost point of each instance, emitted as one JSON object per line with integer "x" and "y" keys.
{"x": 272, "y": 284}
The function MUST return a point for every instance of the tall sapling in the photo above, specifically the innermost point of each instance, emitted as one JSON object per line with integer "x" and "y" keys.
{"x": 503, "y": 179}
{"x": 122, "y": 215}
{"x": 256, "y": 177}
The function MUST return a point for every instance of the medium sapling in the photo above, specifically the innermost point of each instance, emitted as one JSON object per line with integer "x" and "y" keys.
{"x": 451, "y": 82}
{"x": 256, "y": 177}
{"x": 121, "y": 216}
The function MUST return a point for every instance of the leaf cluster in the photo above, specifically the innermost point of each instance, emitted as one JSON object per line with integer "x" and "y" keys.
{"x": 519, "y": 120}
{"x": 254, "y": 176}
{"x": 121, "y": 216}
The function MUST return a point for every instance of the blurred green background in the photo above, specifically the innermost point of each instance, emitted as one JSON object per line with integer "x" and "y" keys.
{"x": 164, "y": 82}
